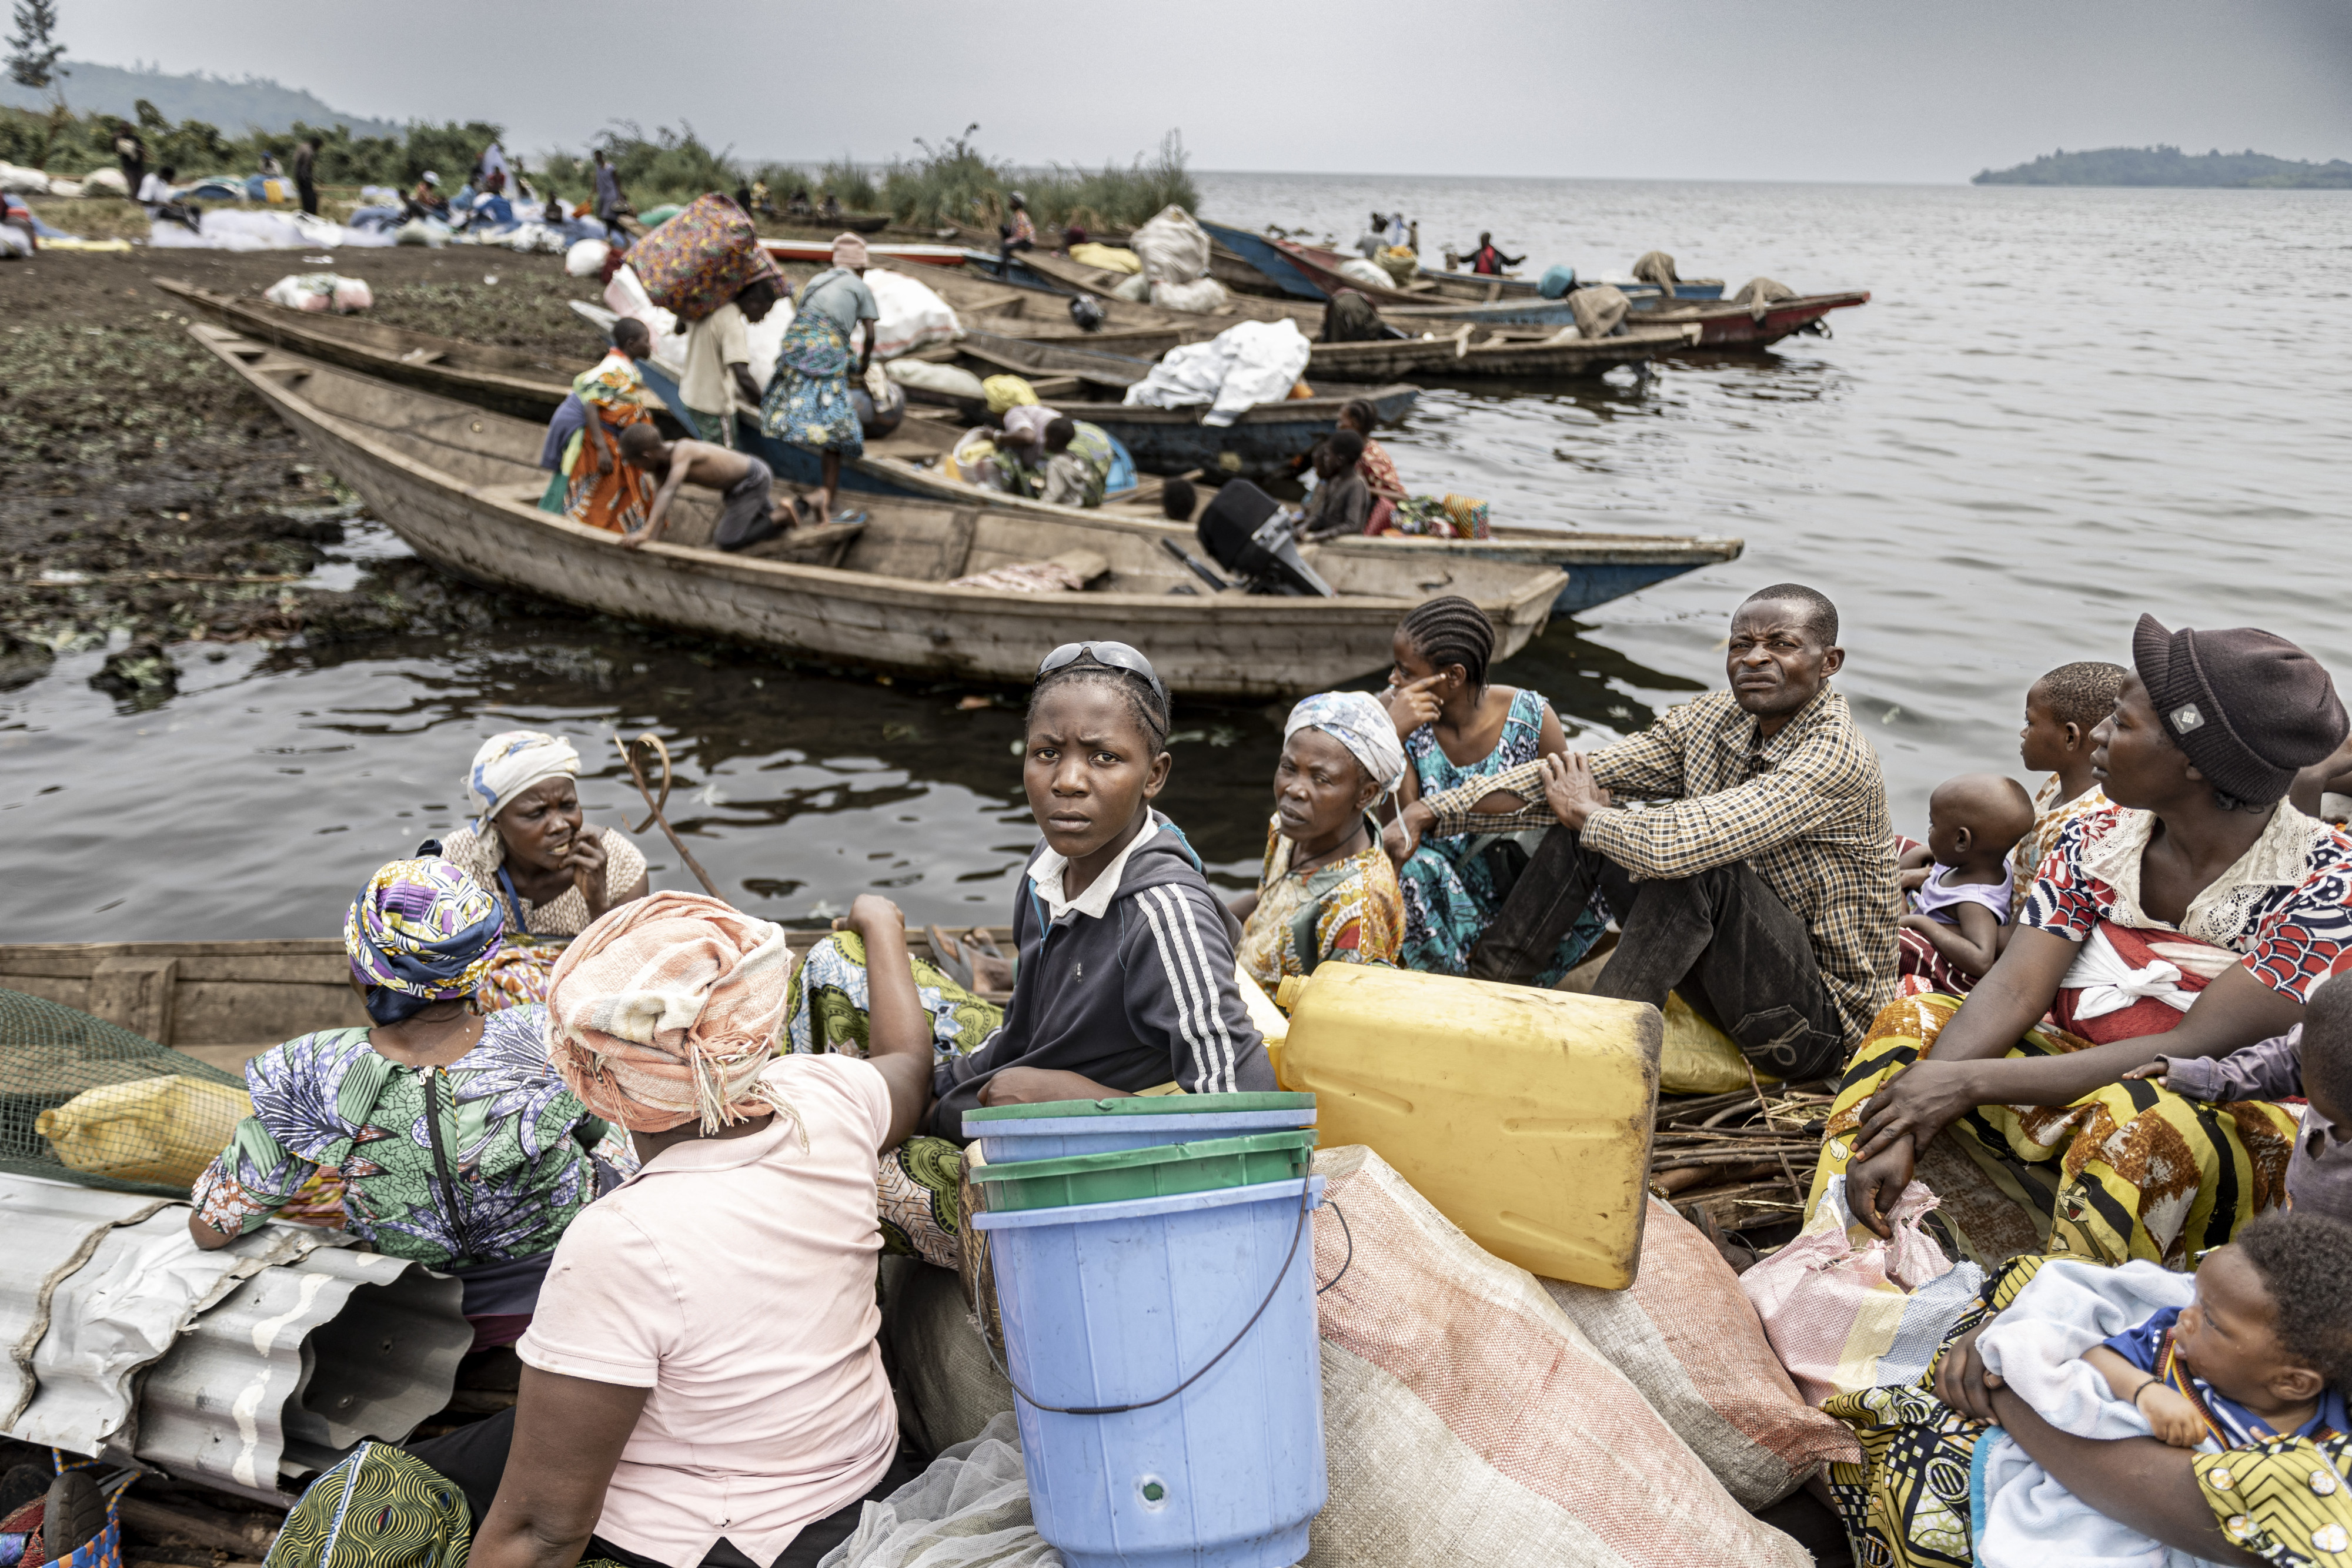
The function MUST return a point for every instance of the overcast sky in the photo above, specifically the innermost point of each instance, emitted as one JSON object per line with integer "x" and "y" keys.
{"x": 1904, "y": 91}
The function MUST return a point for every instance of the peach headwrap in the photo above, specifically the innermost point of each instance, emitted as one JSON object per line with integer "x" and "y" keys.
{"x": 668, "y": 1008}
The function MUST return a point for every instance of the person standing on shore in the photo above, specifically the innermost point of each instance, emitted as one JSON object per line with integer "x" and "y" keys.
{"x": 132, "y": 153}
{"x": 305, "y": 159}
{"x": 807, "y": 404}
{"x": 612, "y": 206}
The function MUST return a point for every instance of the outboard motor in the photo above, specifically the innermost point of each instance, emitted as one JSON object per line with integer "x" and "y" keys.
{"x": 1246, "y": 531}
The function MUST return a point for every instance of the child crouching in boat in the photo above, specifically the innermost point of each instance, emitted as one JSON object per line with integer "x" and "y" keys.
{"x": 1126, "y": 982}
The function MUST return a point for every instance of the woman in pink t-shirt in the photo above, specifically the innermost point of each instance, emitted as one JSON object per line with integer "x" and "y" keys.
{"x": 702, "y": 1383}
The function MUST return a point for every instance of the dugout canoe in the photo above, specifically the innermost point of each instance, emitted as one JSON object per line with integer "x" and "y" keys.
{"x": 1734, "y": 327}
{"x": 821, "y": 252}
{"x": 508, "y": 380}
{"x": 459, "y": 486}
{"x": 225, "y": 1002}
{"x": 1601, "y": 567}
{"x": 1473, "y": 352}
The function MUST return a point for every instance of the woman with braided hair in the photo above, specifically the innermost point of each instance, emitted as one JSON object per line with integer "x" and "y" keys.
{"x": 1457, "y": 728}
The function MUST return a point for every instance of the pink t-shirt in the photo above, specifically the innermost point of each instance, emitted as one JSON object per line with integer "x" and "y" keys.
{"x": 734, "y": 1277}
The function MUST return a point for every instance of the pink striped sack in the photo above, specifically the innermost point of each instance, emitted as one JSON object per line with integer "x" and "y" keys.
{"x": 1470, "y": 1422}
{"x": 1846, "y": 1310}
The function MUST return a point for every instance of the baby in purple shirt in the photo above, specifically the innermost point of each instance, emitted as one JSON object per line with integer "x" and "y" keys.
{"x": 2313, "y": 1059}
{"x": 1959, "y": 878}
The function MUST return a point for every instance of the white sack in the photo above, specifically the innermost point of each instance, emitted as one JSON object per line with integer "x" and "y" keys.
{"x": 104, "y": 182}
{"x": 1356, "y": 270}
{"x": 1172, "y": 248}
{"x": 912, "y": 315}
{"x": 948, "y": 381}
{"x": 586, "y": 260}
{"x": 1202, "y": 295}
{"x": 969, "y": 1509}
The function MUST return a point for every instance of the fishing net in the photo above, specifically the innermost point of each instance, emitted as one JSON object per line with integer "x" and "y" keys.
{"x": 82, "y": 1099}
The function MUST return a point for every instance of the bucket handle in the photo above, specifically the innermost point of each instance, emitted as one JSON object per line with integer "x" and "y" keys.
{"x": 1305, "y": 1193}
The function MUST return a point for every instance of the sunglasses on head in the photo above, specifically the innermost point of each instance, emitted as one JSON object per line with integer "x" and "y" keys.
{"x": 1116, "y": 655}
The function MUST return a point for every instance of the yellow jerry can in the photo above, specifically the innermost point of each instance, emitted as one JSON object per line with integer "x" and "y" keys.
{"x": 1523, "y": 1116}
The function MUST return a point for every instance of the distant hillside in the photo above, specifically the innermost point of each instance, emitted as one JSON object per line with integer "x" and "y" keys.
{"x": 2170, "y": 166}
{"x": 256, "y": 103}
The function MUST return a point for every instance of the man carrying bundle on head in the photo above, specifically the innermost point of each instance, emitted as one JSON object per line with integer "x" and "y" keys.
{"x": 1763, "y": 891}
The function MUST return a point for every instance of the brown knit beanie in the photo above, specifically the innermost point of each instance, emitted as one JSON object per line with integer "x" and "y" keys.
{"x": 2249, "y": 708}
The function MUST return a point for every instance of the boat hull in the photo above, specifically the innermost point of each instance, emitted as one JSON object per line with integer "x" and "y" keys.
{"x": 1738, "y": 326}
{"x": 469, "y": 518}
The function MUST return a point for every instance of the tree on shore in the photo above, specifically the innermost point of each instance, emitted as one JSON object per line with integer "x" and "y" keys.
{"x": 33, "y": 48}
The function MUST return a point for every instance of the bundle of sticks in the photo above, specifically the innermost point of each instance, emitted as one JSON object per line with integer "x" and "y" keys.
{"x": 1745, "y": 1156}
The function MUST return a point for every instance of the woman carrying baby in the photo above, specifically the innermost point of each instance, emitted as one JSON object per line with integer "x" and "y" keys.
{"x": 2082, "y": 1413}
{"x": 2191, "y": 918}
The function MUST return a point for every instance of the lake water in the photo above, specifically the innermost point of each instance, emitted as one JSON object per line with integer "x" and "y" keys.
{"x": 2062, "y": 408}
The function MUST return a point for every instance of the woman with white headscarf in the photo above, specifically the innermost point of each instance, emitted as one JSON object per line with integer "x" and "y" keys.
{"x": 1328, "y": 892}
{"x": 530, "y": 848}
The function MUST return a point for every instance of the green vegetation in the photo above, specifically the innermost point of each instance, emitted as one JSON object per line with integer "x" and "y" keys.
{"x": 952, "y": 182}
{"x": 2170, "y": 166}
{"x": 73, "y": 144}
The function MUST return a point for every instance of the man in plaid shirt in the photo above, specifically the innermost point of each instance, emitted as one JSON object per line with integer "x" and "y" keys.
{"x": 1765, "y": 890}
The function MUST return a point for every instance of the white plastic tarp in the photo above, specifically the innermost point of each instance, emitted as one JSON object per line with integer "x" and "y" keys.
{"x": 1246, "y": 364}
{"x": 232, "y": 229}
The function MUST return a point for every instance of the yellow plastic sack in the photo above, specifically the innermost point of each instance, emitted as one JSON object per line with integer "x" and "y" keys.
{"x": 161, "y": 1130}
{"x": 1698, "y": 1058}
{"x": 1109, "y": 257}
{"x": 1007, "y": 392}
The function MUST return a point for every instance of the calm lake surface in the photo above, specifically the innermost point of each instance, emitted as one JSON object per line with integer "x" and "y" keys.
{"x": 2061, "y": 408}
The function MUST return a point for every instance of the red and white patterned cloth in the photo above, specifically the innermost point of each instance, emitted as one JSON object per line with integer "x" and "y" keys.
{"x": 2285, "y": 907}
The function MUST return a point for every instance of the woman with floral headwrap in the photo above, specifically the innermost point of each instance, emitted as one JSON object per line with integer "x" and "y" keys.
{"x": 704, "y": 1366}
{"x": 1328, "y": 892}
{"x": 530, "y": 849}
{"x": 807, "y": 404}
{"x": 457, "y": 1144}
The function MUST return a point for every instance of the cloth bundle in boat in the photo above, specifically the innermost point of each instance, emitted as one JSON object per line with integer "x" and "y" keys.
{"x": 1758, "y": 293}
{"x": 1246, "y": 364}
{"x": 82, "y": 1099}
{"x": 1202, "y": 296}
{"x": 941, "y": 1364}
{"x": 1599, "y": 310}
{"x": 1171, "y": 246}
{"x": 1656, "y": 266}
{"x": 1686, "y": 1337}
{"x": 1470, "y": 1421}
{"x": 702, "y": 258}
{"x": 1845, "y": 1311}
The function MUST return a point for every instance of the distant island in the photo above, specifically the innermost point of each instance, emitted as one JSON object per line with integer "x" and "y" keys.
{"x": 2171, "y": 166}
{"x": 256, "y": 103}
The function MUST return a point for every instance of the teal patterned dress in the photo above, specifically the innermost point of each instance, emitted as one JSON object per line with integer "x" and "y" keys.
{"x": 1454, "y": 885}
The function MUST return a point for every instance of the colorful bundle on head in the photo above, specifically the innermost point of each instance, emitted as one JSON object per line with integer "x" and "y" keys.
{"x": 421, "y": 931}
{"x": 509, "y": 763}
{"x": 668, "y": 1010}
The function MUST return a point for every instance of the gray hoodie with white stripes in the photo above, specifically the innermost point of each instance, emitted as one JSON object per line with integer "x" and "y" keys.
{"x": 1142, "y": 996}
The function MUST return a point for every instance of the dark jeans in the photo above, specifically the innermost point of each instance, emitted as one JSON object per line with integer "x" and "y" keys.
{"x": 308, "y": 193}
{"x": 1736, "y": 954}
{"x": 475, "y": 1457}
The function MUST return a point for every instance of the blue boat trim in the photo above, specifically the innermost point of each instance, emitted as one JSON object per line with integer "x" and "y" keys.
{"x": 1259, "y": 252}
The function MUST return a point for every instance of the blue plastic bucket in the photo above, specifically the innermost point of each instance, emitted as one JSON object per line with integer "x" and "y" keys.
{"x": 1116, "y": 1304}
{"x": 1557, "y": 281}
{"x": 1051, "y": 1137}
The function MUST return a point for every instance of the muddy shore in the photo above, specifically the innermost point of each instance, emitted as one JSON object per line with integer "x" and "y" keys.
{"x": 150, "y": 499}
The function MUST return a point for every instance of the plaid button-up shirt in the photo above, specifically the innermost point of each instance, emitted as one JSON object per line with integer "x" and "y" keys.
{"x": 1807, "y": 808}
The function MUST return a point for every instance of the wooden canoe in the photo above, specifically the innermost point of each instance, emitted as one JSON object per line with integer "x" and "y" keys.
{"x": 225, "y": 1002}
{"x": 460, "y": 485}
{"x": 1471, "y": 352}
{"x": 1729, "y": 326}
{"x": 820, "y": 251}
{"x": 1600, "y": 565}
{"x": 509, "y": 381}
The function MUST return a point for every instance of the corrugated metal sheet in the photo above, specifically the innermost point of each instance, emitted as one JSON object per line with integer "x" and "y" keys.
{"x": 240, "y": 1367}
{"x": 299, "y": 1362}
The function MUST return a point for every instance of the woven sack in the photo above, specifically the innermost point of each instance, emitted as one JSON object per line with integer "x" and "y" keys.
{"x": 1469, "y": 1422}
{"x": 702, "y": 258}
{"x": 1686, "y": 1336}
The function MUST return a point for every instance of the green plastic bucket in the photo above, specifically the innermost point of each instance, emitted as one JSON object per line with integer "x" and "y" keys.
{"x": 1163, "y": 1170}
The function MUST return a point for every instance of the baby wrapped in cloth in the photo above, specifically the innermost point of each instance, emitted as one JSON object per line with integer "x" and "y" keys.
{"x": 2024, "y": 1518}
